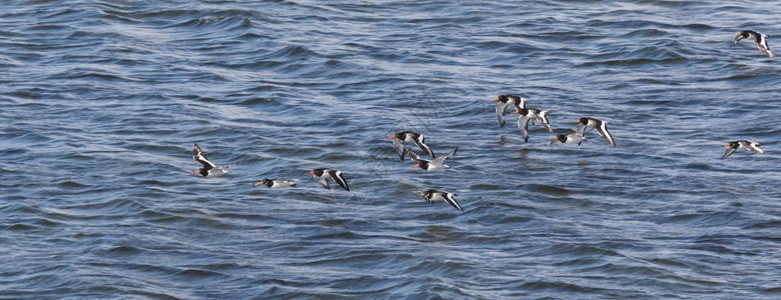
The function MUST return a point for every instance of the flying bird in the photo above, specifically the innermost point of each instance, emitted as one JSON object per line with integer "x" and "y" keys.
{"x": 321, "y": 175}
{"x": 408, "y": 136}
{"x": 434, "y": 195}
{"x": 527, "y": 115}
{"x": 572, "y": 138}
{"x": 431, "y": 165}
{"x": 760, "y": 39}
{"x": 601, "y": 126}
{"x": 502, "y": 102}
{"x": 208, "y": 168}
{"x": 741, "y": 145}
{"x": 277, "y": 183}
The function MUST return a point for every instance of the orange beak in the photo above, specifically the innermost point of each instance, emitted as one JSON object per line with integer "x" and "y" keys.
{"x": 195, "y": 172}
{"x": 415, "y": 166}
{"x": 391, "y": 137}
{"x": 515, "y": 112}
{"x": 311, "y": 172}
{"x": 737, "y": 34}
{"x": 556, "y": 137}
{"x": 422, "y": 194}
{"x": 495, "y": 99}
{"x": 726, "y": 145}
{"x": 261, "y": 182}
{"x": 577, "y": 121}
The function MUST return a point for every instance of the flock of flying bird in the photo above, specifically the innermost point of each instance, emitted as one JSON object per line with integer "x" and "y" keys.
{"x": 525, "y": 116}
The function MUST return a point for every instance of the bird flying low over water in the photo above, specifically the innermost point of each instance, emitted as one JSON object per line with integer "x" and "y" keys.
{"x": 321, "y": 175}
{"x": 431, "y": 165}
{"x": 527, "y": 115}
{"x": 434, "y": 195}
{"x": 408, "y": 136}
{"x": 208, "y": 168}
{"x": 572, "y": 138}
{"x": 601, "y": 126}
{"x": 758, "y": 38}
{"x": 502, "y": 102}
{"x": 741, "y": 145}
{"x": 277, "y": 183}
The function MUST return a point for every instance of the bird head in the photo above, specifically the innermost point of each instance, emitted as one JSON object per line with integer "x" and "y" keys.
{"x": 739, "y": 36}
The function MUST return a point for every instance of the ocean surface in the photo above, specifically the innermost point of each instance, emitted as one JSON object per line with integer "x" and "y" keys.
{"x": 102, "y": 101}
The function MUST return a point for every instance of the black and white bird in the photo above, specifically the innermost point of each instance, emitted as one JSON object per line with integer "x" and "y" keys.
{"x": 572, "y": 138}
{"x": 208, "y": 168}
{"x": 277, "y": 183}
{"x": 434, "y": 195}
{"x": 504, "y": 101}
{"x": 431, "y": 165}
{"x": 408, "y": 136}
{"x": 742, "y": 145}
{"x": 528, "y": 115}
{"x": 601, "y": 126}
{"x": 321, "y": 175}
{"x": 760, "y": 39}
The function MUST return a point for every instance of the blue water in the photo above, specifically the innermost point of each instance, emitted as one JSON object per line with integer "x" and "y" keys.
{"x": 103, "y": 100}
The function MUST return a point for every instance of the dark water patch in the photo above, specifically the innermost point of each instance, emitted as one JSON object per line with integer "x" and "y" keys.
{"x": 615, "y": 268}
{"x": 773, "y": 290}
{"x": 72, "y": 185}
{"x": 580, "y": 262}
{"x": 549, "y": 190}
{"x": 123, "y": 250}
{"x": 553, "y": 286}
{"x": 260, "y": 102}
{"x": 703, "y": 218}
{"x": 715, "y": 248}
{"x": 197, "y": 275}
{"x": 644, "y": 33}
{"x": 763, "y": 225}
{"x": 281, "y": 57}
{"x": 435, "y": 233}
{"x": 668, "y": 262}
{"x": 20, "y": 227}
{"x": 636, "y": 24}
{"x": 166, "y": 219}
{"x": 437, "y": 267}
{"x": 699, "y": 167}
{"x": 46, "y": 223}
{"x": 167, "y": 13}
{"x": 581, "y": 250}
{"x": 641, "y": 57}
